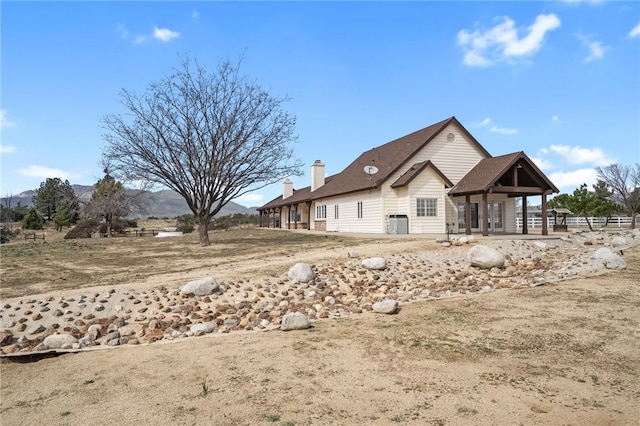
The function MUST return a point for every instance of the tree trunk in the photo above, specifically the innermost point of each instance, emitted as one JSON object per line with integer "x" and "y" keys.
{"x": 203, "y": 230}
{"x": 588, "y": 223}
{"x": 633, "y": 220}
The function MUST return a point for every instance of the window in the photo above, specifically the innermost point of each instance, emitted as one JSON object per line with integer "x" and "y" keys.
{"x": 321, "y": 211}
{"x": 359, "y": 209}
{"x": 295, "y": 215}
{"x": 427, "y": 207}
{"x": 336, "y": 212}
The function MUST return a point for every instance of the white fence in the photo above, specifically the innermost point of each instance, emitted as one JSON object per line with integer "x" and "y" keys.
{"x": 580, "y": 222}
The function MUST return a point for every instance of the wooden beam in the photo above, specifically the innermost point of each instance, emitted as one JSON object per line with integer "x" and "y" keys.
{"x": 485, "y": 215}
{"x": 525, "y": 229}
{"x": 525, "y": 190}
{"x": 467, "y": 214}
{"x": 545, "y": 231}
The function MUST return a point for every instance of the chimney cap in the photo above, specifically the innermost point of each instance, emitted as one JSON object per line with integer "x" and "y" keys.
{"x": 317, "y": 162}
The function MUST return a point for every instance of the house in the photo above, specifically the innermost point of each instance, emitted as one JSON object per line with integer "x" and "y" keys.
{"x": 433, "y": 181}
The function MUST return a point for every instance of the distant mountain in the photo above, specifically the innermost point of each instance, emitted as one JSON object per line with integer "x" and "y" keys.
{"x": 164, "y": 203}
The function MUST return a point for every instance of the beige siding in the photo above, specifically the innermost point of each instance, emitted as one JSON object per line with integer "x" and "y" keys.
{"x": 453, "y": 159}
{"x": 348, "y": 221}
{"x": 427, "y": 185}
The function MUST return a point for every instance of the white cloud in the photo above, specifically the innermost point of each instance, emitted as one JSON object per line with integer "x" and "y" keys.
{"x": 568, "y": 181}
{"x": 45, "y": 172}
{"x": 635, "y": 32}
{"x": 579, "y": 155}
{"x": 4, "y": 123}
{"x": 503, "y": 130}
{"x": 484, "y": 122}
{"x": 164, "y": 34}
{"x": 122, "y": 31}
{"x": 555, "y": 119}
{"x": 195, "y": 14}
{"x": 251, "y": 197}
{"x": 596, "y": 48}
{"x": 542, "y": 163}
{"x": 484, "y": 48}
{"x": 7, "y": 149}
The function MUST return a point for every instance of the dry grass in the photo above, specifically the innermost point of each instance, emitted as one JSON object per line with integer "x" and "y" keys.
{"x": 30, "y": 267}
{"x": 564, "y": 353}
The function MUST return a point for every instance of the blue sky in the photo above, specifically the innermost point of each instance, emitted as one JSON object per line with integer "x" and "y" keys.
{"x": 559, "y": 80}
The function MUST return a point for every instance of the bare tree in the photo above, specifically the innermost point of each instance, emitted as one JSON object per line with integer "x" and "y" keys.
{"x": 624, "y": 182}
{"x": 210, "y": 137}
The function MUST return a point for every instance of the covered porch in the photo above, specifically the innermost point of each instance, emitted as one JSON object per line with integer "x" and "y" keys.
{"x": 514, "y": 175}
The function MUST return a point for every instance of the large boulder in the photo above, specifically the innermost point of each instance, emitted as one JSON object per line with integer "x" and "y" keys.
{"x": 376, "y": 263}
{"x": 59, "y": 341}
{"x": 485, "y": 257}
{"x": 602, "y": 253}
{"x": 294, "y": 321}
{"x": 619, "y": 242}
{"x": 202, "y": 328}
{"x": 301, "y": 273}
{"x": 201, "y": 287}
{"x": 609, "y": 259}
{"x": 614, "y": 262}
{"x": 386, "y": 307}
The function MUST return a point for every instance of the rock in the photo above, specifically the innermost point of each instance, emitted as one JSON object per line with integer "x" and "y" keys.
{"x": 301, "y": 273}
{"x": 602, "y": 253}
{"x": 619, "y": 242}
{"x": 540, "y": 245}
{"x": 35, "y": 329}
{"x": 485, "y": 257}
{"x": 207, "y": 327}
{"x": 353, "y": 254}
{"x": 6, "y": 337}
{"x": 376, "y": 263}
{"x": 294, "y": 321}
{"x": 201, "y": 287}
{"x": 94, "y": 332}
{"x": 614, "y": 262}
{"x": 59, "y": 341}
{"x": 386, "y": 307}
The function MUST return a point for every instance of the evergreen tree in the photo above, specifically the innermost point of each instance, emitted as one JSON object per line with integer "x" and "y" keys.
{"x": 52, "y": 194}
{"x": 32, "y": 220}
{"x": 109, "y": 201}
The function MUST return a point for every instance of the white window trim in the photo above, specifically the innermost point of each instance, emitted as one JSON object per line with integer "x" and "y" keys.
{"x": 426, "y": 207}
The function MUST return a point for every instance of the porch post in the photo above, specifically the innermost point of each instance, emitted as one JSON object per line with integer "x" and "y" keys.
{"x": 295, "y": 219}
{"x": 467, "y": 214}
{"x": 525, "y": 228}
{"x": 545, "y": 231}
{"x": 485, "y": 215}
{"x": 309, "y": 215}
{"x": 288, "y": 217}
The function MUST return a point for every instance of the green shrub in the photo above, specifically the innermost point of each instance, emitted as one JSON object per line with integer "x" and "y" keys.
{"x": 185, "y": 223}
{"x": 5, "y": 234}
{"x": 83, "y": 229}
{"x": 32, "y": 220}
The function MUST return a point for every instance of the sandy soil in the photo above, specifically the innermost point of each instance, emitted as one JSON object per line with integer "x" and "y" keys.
{"x": 565, "y": 353}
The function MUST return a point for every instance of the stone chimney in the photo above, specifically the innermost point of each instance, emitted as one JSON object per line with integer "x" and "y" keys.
{"x": 288, "y": 188}
{"x": 317, "y": 175}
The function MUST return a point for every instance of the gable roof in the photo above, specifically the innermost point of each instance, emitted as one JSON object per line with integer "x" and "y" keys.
{"x": 488, "y": 172}
{"x": 415, "y": 170}
{"x": 387, "y": 158}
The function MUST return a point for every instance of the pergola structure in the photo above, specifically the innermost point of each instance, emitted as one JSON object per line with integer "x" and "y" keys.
{"x": 512, "y": 174}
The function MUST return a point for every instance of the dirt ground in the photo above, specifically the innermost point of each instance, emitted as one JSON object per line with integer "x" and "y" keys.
{"x": 559, "y": 354}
